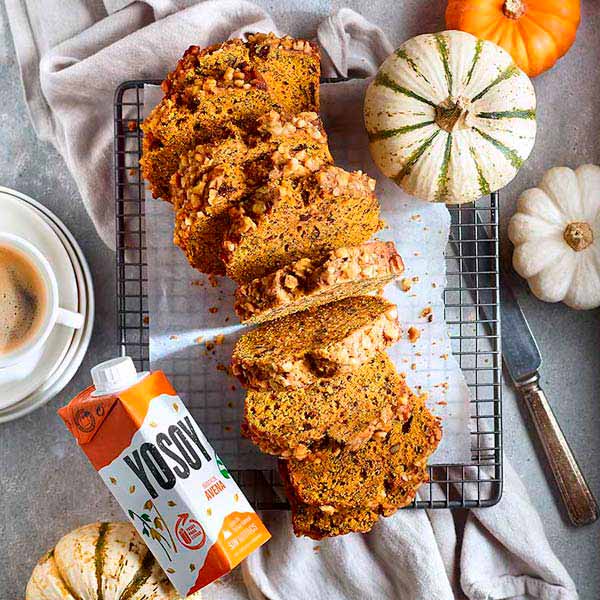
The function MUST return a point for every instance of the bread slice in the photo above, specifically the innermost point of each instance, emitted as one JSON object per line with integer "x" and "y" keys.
{"x": 215, "y": 90}
{"x": 290, "y": 67}
{"x": 348, "y": 409}
{"x": 300, "y": 349}
{"x": 212, "y": 178}
{"x": 209, "y": 179}
{"x": 287, "y": 220}
{"x": 339, "y": 477}
{"x": 318, "y": 522}
{"x": 307, "y": 283}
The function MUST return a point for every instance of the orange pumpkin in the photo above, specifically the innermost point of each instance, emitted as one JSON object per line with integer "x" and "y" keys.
{"x": 536, "y": 33}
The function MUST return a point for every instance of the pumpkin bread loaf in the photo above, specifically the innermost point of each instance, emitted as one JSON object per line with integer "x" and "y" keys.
{"x": 214, "y": 177}
{"x": 300, "y": 349}
{"x": 290, "y": 219}
{"x": 307, "y": 283}
{"x": 213, "y": 91}
{"x": 348, "y": 409}
{"x": 344, "y": 490}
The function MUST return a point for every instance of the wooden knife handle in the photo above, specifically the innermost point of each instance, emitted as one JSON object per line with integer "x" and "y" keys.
{"x": 576, "y": 494}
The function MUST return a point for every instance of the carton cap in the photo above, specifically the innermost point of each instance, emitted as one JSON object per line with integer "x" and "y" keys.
{"x": 114, "y": 375}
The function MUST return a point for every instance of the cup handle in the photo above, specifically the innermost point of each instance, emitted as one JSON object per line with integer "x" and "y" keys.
{"x": 68, "y": 318}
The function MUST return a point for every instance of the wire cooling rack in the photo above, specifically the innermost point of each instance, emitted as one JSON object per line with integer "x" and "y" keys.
{"x": 472, "y": 314}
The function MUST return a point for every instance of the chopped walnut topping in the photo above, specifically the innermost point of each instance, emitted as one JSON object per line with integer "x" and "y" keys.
{"x": 413, "y": 334}
{"x": 426, "y": 311}
{"x": 327, "y": 509}
{"x": 271, "y": 41}
{"x": 405, "y": 284}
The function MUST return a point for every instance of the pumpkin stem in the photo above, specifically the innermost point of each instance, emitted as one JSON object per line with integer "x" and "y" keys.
{"x": 578, "y": 235}
{"x": 450, "y": 114}
{"x": 513, "y": 9}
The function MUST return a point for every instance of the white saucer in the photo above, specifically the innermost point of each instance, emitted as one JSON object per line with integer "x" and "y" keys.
{"x": 64, "y": 353}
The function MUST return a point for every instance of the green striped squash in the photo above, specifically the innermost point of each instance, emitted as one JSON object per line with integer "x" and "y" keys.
{"x": 100, "y": 561}
{"x": 450, "y": 117}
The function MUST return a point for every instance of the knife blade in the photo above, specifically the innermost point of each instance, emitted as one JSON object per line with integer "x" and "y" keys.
{"x": 478, "y": 255}
{"x": 520, "y": 351}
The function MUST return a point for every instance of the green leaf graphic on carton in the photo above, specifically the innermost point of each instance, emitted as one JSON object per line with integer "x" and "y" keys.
{"x": 222, "y": 468}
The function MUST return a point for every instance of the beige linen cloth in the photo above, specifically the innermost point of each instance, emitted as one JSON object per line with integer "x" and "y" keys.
{"x": 73, "y": 54}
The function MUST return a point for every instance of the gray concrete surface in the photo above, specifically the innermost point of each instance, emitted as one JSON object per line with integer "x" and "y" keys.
{"x": 48, "y": 486}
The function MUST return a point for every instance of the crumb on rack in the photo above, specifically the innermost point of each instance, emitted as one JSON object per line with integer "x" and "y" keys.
{"x": 444, "y": 356}
{"x": 213, "y": 310}
{"x": 442, "y": 402}
{"x": 413, "y": 334}
{"x": 230, "y": 404}
{"x": 132, "y": 125}
{"x": 219, "y": 339}
{"x": 210, "y": 346}
{"x": 413, "y": 367}
{"x": 405, "y": 284}
{"x": 212, "y": 279}
{"x": 146, "y": 320}
{"x": 221, "y": 367}
{"x": 173, "y": 337}
{"x": 199, "y": 339}
{"x": 233, "y": 388}
{"x": 196, "y": 282}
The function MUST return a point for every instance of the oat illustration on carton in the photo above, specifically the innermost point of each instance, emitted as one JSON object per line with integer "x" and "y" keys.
{"x": 164, "y": 473}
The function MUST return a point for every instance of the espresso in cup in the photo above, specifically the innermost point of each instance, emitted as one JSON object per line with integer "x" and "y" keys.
{"x": 23, "y": 299}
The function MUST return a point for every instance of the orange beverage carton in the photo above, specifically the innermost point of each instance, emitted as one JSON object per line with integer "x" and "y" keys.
{"x": 153, "y": 457}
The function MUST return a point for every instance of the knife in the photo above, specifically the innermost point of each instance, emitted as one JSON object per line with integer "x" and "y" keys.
{"x": 522, "y": 360}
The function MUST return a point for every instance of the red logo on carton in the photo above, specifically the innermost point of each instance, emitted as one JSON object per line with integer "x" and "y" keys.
{"x": 189, "y": 532}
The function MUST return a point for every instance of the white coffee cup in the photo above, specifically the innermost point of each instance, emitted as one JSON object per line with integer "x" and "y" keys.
{"x": 53, "y": 313}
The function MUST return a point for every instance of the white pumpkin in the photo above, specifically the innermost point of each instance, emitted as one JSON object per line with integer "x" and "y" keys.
{"x": 556, "y": 233}
{"x": 450, "y": 117}
{"x": 100, "y": 560}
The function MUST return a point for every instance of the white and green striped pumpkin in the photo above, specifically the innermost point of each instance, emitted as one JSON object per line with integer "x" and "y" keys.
{"x": 100, "y": 561}
{"x": 450, "y": 118}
